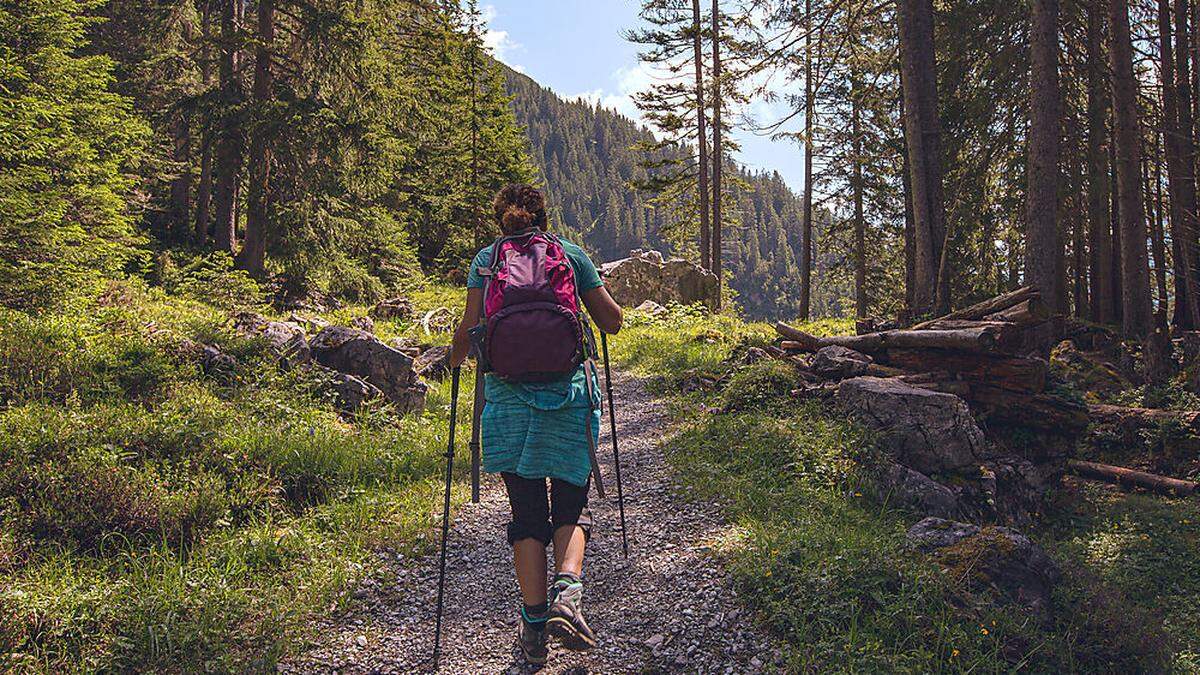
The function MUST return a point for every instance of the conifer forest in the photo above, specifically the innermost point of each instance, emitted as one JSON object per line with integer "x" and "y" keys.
{"x": 932, "y": 406}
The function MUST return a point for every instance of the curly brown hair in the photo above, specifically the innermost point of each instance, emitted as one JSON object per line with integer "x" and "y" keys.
{"x": 518, "y": 207}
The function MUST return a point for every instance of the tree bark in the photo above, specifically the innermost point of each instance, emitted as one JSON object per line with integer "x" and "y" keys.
{"x": 204, "y": 187}
{"x": 252, "y": 257}
{"x": 717, "y": 151}
{"x": 806, "y": 228}
{"x": 1114, "y": 216}
{"x": 1181, "y": 187}
{"x": 1044, "y": 247}
{"x": 1101, "y": 293}
{"x": 702, "y": 140}
{"x": 861, "y": 303}
{"x": 229, "y": 143}
{"x": 910, "y": 269}
{"x": 991, "y": 306}
{"x": 1187, "y": 156}
{"x": 1131, "y": 477}
{"x": 1135, "y": 275}
{"x": 923, "y": 136}
{"x": 1154, "y": 212}
{"x": 181, "y": 185}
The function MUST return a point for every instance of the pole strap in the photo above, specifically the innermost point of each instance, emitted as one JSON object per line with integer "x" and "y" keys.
{"x": 589, "y": 371}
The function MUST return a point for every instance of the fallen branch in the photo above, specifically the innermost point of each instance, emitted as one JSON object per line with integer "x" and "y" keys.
{"x": 1130, "y": 477}
{"x": 979, "y": 339}
{"x": 989, "y": 306}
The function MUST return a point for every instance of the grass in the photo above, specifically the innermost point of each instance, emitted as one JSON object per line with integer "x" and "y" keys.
{"x": 827, "y": 570}
{"x": 156, "y": 519}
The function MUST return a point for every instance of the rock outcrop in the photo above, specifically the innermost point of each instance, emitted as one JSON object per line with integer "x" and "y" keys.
{"x": 838, "y": 363}
{"x": 930, "y": 432}
{"x": 646, "y": 275}
{"x": 285, "y": 339}
{"x": 901, "y": 486}
{"x": 996, "y": 557}
{"x": 358, "y": 353}
{"x": 393, "y": 308}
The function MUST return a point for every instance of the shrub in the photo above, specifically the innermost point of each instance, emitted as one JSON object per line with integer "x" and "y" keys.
{"x": 764, "y": 385}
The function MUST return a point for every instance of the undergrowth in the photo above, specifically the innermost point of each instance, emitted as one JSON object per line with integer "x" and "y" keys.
{"x": 154, "y": 518}
{"x": 827, "y": 569}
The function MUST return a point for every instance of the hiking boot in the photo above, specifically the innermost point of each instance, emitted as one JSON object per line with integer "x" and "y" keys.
{"x": 531, "y": 637}
{"x": 566, "y": 622}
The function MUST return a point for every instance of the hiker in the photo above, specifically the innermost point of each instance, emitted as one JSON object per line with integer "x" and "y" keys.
{"x": 534, "y": 431}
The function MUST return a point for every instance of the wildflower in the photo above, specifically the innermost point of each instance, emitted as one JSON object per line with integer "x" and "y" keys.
{"x": 953, "y": 653}
{"x": 983, "y": 630}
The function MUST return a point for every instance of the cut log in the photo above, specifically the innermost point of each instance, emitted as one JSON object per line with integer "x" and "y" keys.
{"x": 1025, "y": 313}
{"x": 1015, "y": 373}
{"x": 1036, "y": 411}
{"x": 1142, "y": 418}
{"x": 989, "y": 306}
{"x": 1130, "y": 477}
{"x": 979, "y": 340}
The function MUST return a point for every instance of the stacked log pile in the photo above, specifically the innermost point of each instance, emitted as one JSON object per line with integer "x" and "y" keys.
{"x": 988, "y": 359}
{"x": 994, "y": 357}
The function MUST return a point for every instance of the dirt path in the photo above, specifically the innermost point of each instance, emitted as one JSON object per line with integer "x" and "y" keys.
{"x": 669, "y": 608}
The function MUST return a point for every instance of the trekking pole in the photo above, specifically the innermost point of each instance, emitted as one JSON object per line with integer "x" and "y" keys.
{"x": 437, "y": 631}
{"x": 616, "y": 454}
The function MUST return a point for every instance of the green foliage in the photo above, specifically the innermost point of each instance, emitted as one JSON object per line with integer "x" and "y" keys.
{"x": 145, "y": 508}
{"x": 209, "y": 278}
{"x": 67, "y": 144}
{"x": 828, "y": 570}
{"x": 764, "y": 385}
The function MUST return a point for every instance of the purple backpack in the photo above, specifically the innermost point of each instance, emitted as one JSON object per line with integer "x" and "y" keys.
{"x": 535, "y": 332}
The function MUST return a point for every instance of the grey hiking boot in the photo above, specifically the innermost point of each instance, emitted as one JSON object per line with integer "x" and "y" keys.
{"x": 531, "y": 637}
{"x": 566, "y": 620}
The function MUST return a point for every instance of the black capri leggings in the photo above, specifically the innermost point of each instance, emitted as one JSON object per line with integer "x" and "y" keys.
{"x": 536, "y": 517}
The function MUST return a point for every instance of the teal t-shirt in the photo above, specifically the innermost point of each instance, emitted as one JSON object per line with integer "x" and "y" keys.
{"x": 537, "y": 430}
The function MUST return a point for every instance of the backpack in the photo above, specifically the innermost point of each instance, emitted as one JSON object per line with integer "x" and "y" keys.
{"x": 534, "y": 328}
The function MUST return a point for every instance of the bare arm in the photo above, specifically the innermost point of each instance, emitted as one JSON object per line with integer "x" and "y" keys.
{"x": 605, "y": 311}
{"x": 461, "y": 346}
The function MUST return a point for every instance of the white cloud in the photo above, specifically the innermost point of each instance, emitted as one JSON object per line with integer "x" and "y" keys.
{"x": 497, "y": 41}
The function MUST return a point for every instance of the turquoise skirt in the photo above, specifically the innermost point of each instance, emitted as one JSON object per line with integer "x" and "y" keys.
{"x": 537, "y": 430}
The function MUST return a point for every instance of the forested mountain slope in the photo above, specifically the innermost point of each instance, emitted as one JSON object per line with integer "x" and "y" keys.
{"x": 586, "y": 157}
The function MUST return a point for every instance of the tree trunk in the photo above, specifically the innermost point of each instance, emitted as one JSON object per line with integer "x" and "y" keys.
{"x": 229, "y": 144}
{"x": 1154, "y": 212}
{"x": 1135, "y": 275}
{"x": 806, "y": 228}
{"x": 717, "y": 150}
{"x": 1114, "y": 217}
{"x": 1100, "y": 253}
{"x": 1044, "y": 248}
{"x": 181, "y": 185}
{"x": 702, "y": 140}
{"x": 204, "y": 188}
{"x": 861, "y": 303}
{"x": 910, "y": 269}
{"x": 1181, "y": 187}
{"x": 1187, "y": 161}
{"x": 253, "y": 254}
{"x": 923, "y": 136}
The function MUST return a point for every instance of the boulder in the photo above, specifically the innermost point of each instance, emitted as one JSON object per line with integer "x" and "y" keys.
{"x": 358, "y": 353}
{"x": 901, "y": 486}
{"x": 433, "y": 363}
{"x": 363, "y": 323}
{"x": 349, "y": 391}
{"x": 409, "y": 346}
{"x": 285, "y": 339}
{"x": 838, "y": 363}
{"x": 651, "y": 307}
{"x": 310, "y": 324}
{"x": 930, "y": 432}
{"x": 398, "y": 307}
{"x": 996, "y": 557}
{"x": 646, "y": 275}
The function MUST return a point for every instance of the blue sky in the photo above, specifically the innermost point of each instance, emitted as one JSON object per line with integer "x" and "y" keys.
{"x": 576, "y": 48}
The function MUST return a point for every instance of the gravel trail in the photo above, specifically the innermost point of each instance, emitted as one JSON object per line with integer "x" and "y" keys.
{"x": 669, "y": 608}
